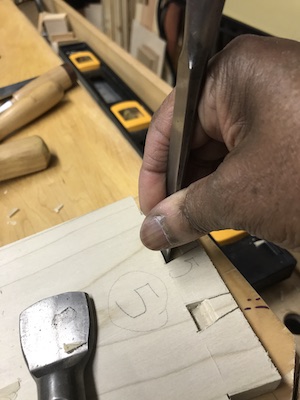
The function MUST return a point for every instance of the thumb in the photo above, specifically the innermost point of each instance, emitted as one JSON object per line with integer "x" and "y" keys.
{"x": 183, "y": 217}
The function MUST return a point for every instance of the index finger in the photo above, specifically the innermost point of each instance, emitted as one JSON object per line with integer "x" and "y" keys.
{"x": 152, "y": 179}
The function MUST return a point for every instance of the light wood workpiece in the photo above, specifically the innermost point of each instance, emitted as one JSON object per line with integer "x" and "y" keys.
{"x": 93, "y": 164}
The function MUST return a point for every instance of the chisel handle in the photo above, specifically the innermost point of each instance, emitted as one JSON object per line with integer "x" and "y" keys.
{"x": 63, "y": 75}
{"x": 22, "y": 157}
{"x": 38, "y": 101}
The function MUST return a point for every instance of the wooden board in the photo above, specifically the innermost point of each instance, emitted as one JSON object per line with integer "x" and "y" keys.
{"x": 107, "y": 19}
{"x": 148, "y": 57}
{"x": 274, "y": 336}
{"x": 141, "y": 36}
{"x": 148, "y": 17}
{"x": 94, "y": 14}
{"x": 148, "y": 345}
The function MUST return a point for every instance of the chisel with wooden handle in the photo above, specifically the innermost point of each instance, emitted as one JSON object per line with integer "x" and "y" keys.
{"x": 22, "y": 157}
{"x": 34, "y": 99}
{"x": 63, "y": 75}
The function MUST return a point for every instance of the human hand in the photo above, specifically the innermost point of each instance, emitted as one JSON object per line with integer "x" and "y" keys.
{"x": 250, "y": 113}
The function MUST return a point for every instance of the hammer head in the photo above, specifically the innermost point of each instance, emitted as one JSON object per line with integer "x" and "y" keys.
{"x": 55, "y": 333}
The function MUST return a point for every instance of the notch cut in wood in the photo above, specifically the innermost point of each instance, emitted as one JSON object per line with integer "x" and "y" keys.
{"x": 208, "y": 311}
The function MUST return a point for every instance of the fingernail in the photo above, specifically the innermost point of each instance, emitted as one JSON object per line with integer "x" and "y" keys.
{"x": 153, "y": 235}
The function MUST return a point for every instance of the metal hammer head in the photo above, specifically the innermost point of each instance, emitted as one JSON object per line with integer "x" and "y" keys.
{"x": 55, "y": 333}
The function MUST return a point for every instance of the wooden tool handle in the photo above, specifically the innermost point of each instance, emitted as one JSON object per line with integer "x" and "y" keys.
{"x": 22, "y": 157}
{"x": 63, "y": 75}
{"x": 40, "y": 100}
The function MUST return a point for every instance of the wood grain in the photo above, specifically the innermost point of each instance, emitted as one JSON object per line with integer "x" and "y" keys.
{"x": 23, "y": 157}
{"x": 27, "y": 109}
{"x": 148, "y": 344}
{"x": 272, "y": 333}
{"x": 92, "y": 165}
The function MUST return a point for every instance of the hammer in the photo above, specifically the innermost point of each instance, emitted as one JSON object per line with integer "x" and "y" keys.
{"x": 57, "y": 335}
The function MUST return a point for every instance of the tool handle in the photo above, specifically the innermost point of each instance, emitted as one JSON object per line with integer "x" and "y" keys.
{"x": 40, "y": 100}
{"x": 63, "y": 75}
{"x": 22, "y": 157}
{"x": 65, "y": 384}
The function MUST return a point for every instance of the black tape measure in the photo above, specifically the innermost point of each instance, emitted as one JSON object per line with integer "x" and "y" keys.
{"x": 110, "y": 92}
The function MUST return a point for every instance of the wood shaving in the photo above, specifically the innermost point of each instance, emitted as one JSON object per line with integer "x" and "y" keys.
{"x": 258, "y": 243}
{"x": 58, "y": 208}
{"x": 10, "y": 392}
{"x": 13, "y": 212}
{"x": 70, "y": 347}
{"x": 11, "y": 223}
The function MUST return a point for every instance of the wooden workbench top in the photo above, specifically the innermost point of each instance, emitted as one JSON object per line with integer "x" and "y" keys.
{"x": 92, "y": 165}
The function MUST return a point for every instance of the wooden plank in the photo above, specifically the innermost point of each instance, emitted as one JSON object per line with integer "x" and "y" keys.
{"x": 141, "y": 36}
{"x": 118, "y": 27}
{"x": 107, "y": 19}
{"x": 54, "y": 24}
{"x": 94, "y": 13}
{"x": 148, "y": 57}
{"x": 148, "y": 343}
{"x": 274, "y": 336}
{"x": 125, "y": 17}
{"x": 148, "y": 17}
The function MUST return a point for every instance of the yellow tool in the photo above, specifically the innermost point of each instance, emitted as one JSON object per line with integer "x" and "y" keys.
{"x": 85, "y": 61}
{"x": 131, "y": 115}
{"x": 227, "y": 236}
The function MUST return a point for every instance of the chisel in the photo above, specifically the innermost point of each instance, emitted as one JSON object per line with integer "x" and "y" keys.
{"x": 7, "y": 91}
{"x": 63, "y": 76}
{"x": 202, "y": 21}
{"x": 34, "y": 99}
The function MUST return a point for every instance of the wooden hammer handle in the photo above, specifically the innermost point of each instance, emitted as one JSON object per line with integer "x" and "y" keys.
{"x": 22, "y": 157}
{"x": 38, "y": 101}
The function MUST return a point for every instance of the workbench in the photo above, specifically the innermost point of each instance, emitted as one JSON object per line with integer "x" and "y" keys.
{"x": 92, "y": 164}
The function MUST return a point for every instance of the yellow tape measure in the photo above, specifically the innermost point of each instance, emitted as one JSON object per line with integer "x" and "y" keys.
{"x": 85, "y": 61}
{"x": 132, "y": 115}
